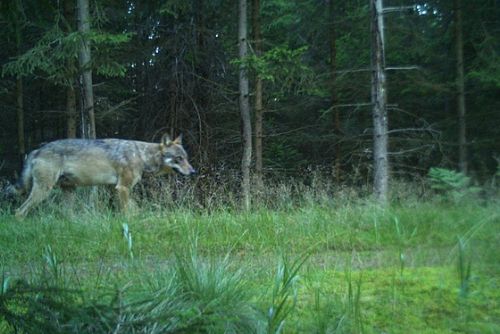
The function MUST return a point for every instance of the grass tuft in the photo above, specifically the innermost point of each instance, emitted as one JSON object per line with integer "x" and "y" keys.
{"x": 198, "y": 264}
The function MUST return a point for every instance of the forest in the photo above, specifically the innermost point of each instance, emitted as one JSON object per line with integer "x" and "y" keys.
{"x": 172, "y": 66}
{"x": 347, "y": 157}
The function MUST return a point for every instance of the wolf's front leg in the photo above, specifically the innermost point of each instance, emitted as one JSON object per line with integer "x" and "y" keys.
{"x": 123, "y": 197}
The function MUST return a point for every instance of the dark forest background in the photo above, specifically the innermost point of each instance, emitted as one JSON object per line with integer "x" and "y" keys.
{"x": 172, "y": 66}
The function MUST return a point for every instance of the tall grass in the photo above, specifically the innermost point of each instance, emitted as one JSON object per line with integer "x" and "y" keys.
{"x": 195, "y": 296}
{"x": 284, "y": 294}
{"x": 188, "y": 260}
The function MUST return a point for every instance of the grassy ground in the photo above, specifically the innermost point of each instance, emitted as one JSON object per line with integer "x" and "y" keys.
{"x": 320, "y": 265}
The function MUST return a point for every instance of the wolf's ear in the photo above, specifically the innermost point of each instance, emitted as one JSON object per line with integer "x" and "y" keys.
{"x": 178, "y": 140}
{"x": 165, "y": 140}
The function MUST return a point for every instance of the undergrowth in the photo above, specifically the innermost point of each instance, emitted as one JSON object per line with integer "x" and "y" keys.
{"x": 310, "y": 258}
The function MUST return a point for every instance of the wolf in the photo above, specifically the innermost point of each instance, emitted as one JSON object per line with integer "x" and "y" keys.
{"x": 69, "y": 163}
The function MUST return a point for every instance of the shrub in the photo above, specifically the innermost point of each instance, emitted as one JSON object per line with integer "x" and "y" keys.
{"x": 451, "y": 185}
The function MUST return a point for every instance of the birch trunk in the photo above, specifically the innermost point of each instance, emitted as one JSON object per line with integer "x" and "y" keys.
{"x": 85, "y": 66}
{"x": 244, "y": 106}
{"x": 379, "y": 101}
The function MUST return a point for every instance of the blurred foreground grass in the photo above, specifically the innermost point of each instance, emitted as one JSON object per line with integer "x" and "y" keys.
{"x": 413, "y": 267}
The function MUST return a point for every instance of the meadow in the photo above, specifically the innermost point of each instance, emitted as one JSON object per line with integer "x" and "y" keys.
{"x": 312, "y": 258}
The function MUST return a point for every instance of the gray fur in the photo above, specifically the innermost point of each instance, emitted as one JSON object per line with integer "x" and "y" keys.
{"x": 81, "y": 162}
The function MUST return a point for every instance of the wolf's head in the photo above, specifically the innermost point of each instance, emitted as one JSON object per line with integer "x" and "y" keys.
{"x": 174, "y": 156}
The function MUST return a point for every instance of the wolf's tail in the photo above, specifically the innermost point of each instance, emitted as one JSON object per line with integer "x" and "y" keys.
{"x": 24, "y": 182}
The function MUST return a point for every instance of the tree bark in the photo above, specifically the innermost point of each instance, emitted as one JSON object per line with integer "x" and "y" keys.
{"x": 333, "y": 91}
{"x": 19, "y": 95}
{"x": 20, "y": 118}
{"x": 379, "y": 101}
{"x": 204, "y": 147}
{"x": 460, "y": 86}
{"x": 71, "y": 112}
{"x": 244, "y": 106}
{"x": 85, "y": 65}
{"x": 259, "y": 110}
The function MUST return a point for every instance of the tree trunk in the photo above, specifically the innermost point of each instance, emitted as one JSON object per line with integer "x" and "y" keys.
{"x": 204, "y": 147}
{"x": 244, "y": 106}
{"x": 20, "y": 97}
{"x": 333, "y": 91}
{"x": 85, "y": 65}
{"x": 259, "y": 111}
{"x": 459, "y": 44}
{"x": 20, "y": 118}
{"x": 379, "y": 101}
{"x": 71, "y": 112}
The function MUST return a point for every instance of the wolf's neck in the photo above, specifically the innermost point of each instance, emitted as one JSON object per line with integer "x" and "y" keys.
{"x": 150, "y": 155}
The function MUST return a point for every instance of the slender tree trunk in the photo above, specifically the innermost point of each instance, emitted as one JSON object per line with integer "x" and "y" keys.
{"x": 244, "y": 106}
{"x": 459, "y": 44}
{"x": 20, "y": 99}
{"x": 379, "y": 101}
{"x": 71, "y": 112}
{"x": 20, "y": 117}
{"x": 204, "y": 154}
{"x": 259, "y": 110}
{"x": 333, "y": 91}
{"x": 85, "y": 65}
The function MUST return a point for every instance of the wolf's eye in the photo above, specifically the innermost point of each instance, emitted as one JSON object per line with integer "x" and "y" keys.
{"x": 175, "y": 159}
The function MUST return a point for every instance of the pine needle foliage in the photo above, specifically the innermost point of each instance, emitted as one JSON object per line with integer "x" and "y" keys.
{"x": 56, "y": 47}
{"x": 451, "y": 185}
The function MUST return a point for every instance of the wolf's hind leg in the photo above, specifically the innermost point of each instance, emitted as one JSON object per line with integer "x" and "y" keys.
{"x": 44, "y": 180}
{"x": 38, "y": 193}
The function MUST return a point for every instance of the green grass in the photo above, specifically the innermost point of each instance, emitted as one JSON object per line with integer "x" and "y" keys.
{"x": 414, "y": 267}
